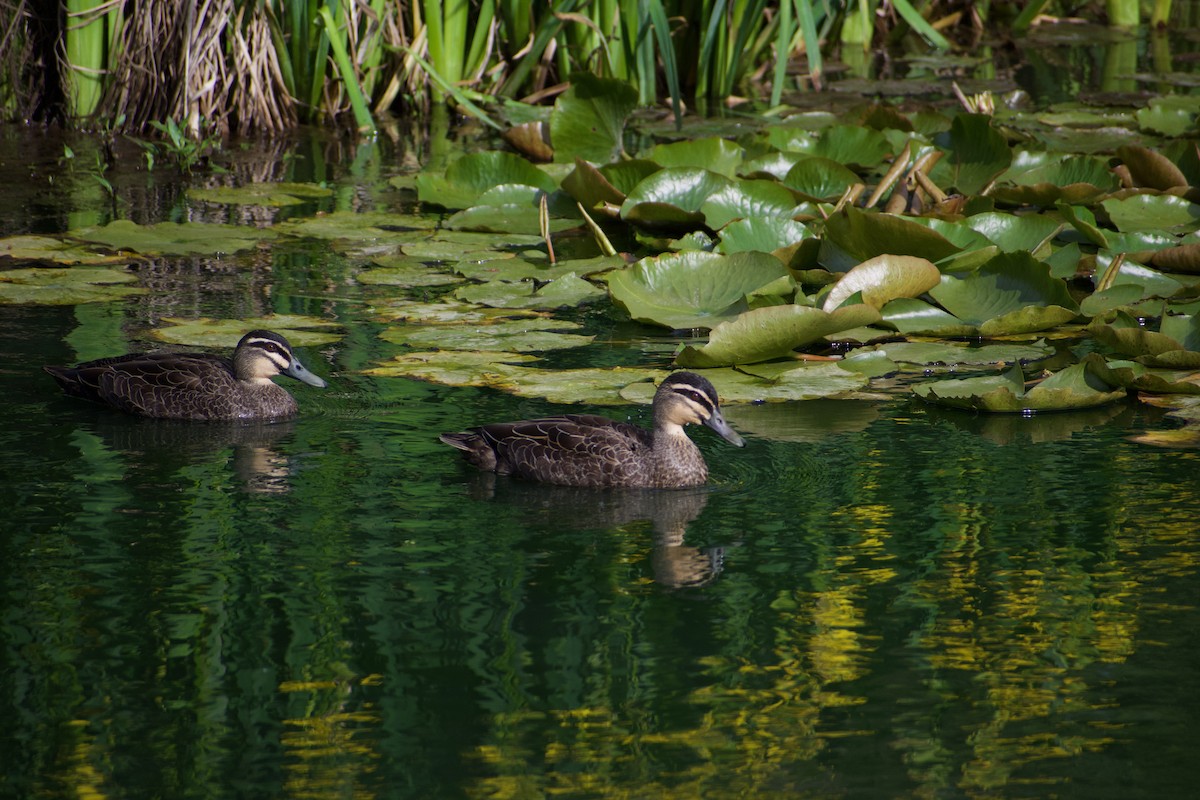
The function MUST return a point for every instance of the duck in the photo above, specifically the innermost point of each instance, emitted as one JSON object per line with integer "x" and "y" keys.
{"x": 592, "y": 451}
{"x": 194, "y": 386}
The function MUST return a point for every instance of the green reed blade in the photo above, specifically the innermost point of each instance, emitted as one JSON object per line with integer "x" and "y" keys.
{"x": 362, "y": 113}
{"x": 918, "y": 24}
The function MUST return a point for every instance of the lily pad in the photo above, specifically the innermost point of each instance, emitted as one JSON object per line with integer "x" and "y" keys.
{"x": 1147, "y": 212}
{"x": 588, "y": 121}
{"x": 448, "y": 312}
{"x": 48, "y": 248}
{"x": 912, "y": 316}
{"x": 468, "y": 178}
{"x": 692, "y": 289}
{"x": 672, "y": 197}
{"x": 65, "y": 287}
{"x": 819, "y": 179}
{"x": 955, "y": 354}
{"x": 978, "y": 153}
{"x": 854, "y": 236}
{"x": 712, "y": 153}
{"x": 748, "y": 200}
{"x": 174, "y": 238}
{"x": 772, "y": 332}
{"x": 884, "y": 278}
{"x": 566, "y": 291}
{"x": 405, "y": 271}
{"x": 261, "y": 194}
{"x": 1077, "y": 386}
{"x": 450, "y": 367}
{"x": 1011, "y": 293}
{"x": 795, "y": 381}
{"x": 520, "y": 269}
{"x": 523, "y": 336}
{"x": 764, "y": 234}
{"x": 208, "y": 332}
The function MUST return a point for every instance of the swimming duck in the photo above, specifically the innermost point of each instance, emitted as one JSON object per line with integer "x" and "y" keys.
{"x": 587, "y": 450}
{"x": 194, "y": 386}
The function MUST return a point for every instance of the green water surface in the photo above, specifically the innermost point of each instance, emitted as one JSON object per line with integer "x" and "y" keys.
{"x": 874, "y": 600}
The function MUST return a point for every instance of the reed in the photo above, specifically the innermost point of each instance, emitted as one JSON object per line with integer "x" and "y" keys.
{"x": 266, "y": 65}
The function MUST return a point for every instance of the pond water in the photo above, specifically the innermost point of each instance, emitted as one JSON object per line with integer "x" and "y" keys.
{"x": 871, "y": 599}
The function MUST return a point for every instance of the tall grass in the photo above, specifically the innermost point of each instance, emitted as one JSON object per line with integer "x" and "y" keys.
{"x": 266, "y": 65}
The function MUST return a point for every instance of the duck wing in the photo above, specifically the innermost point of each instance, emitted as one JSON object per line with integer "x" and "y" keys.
{"x": 571, "y": 450}
{"x": 154, "y": 385}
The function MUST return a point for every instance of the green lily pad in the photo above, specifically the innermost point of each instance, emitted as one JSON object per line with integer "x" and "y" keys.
{"x": 589, "y": 186}
{"x": 764, "y": 234}
{"x": 523, "y": 336}
{"x": 588, "y": 120}
{"x": 468, "y": 178}
{"x": 912, "y": 316}
{"x": 819, "y": 179}
{"x": 447, "y": 312}
{"x": 208, "y": 332}
{"x": 1152, "y": 212}
{"x": 1141, "y": 378}
{"x": 852, "y": 144}
{"x": 712, "y": 153}
{"x": 978, "y": 153}
{"x": 692, "y": 289}
{"x": 65, "y": 287}
{"x": 599, "y": 386}
{"x": 1016, "y": 232}
{"x": 520, "y": 269}
{"x": 405, "y": 271}
{"x": 1011, "y": 293}
{"x": 1077, "y": 386}
{"x": 854, "y": 236}
{"x": 566, "y": 291}
{"x": 772, "y": 332}
{"x": 48, "y": 248}
{"x": 748, "y": 200}
{"x": 509, "y": 218}
{"x": 1077, "y": 180}
{"x": 884, "y": 278}
{"x": 1170, "y": 116}
{"x": 450, "y": 367}
{"x": 261, "y": 194}
{"x": 672, "y": 197}
{"x": 793, "y": 381}
{"x": 174, "y": 238}
{"x": 956, "y": 354}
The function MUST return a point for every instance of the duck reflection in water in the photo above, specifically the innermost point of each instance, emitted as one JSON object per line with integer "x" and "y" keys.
{"x": 162, "y": 447}
{"x": 670, "y": 512}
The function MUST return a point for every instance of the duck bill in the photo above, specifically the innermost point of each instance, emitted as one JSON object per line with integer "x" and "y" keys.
{"x": 300, "y": 373}
{"x": 718, "y": 424}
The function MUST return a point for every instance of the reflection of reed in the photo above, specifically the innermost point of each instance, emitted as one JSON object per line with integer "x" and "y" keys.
{"x": 168, "y": 445}
{"x": 669, "y": 511}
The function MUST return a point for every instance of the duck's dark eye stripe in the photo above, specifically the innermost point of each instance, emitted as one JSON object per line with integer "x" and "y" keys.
{"x": 700, "y": 398}
{"x": 272, "y": 350}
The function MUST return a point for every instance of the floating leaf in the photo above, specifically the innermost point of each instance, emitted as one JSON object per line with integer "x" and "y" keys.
{"x": 819, "y": 179}
{"x": 447, "y": 312}
{"x": 1077, "y": 386}
{"x": 854, "y": 236}
{"x": 852, "y": 144}
{"x": 588, "y": 120}
{"x": 953, "y": 354}
{"x": 520, "y": 269}
{"x": 47, "y": 248}
{"x": 65, "y": 287}
{"x": 404, "y": 271}
{"x": 672, "y": 197}
{"x": 750, "y": 200}
{"x": 174, "y": 238}
{"x": 1077, "y": 180}
{"x": 692, "y": 289}
{"x": 566, "y": 291}
{"x": 1150, "y": 169}
{"x": 978, "y": 153}
{"x": 468, "y": 178}
{"x": 1011, "y": 293}
{"x": 261, "y": 194}
{"x": 523, "y": 336}
{"x": 884, "y": 278}
{"x": 208, "y": 332}
{"x": 913, "y": 316}
{"x": 765, "y": 234}
{"x": 712, "y": 153}
{"x": 795, "y": 381}
{"x": 1147, "y": 212}
{"x": 450, "y": 367}
{"x": 771, "y": 332}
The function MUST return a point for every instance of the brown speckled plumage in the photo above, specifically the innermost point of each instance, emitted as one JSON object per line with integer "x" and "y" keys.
{"x": 587, "y": 450}
{"x": 193, "y": 386}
